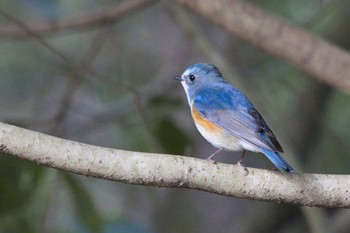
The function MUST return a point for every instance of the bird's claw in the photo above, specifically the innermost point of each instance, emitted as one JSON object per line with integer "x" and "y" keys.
{"x": 241, "y": 165}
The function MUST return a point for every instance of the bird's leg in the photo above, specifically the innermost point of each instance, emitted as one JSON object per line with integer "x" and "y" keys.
{"x": 213, "y": 154}
{"x": 240, "y": 161}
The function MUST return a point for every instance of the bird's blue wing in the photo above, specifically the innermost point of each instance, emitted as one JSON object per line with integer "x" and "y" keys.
{"x": 234, "y": 112}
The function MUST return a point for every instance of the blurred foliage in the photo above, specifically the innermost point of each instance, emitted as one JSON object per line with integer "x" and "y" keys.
{"x": 84, "y": 205}
{"x": 170, "y": 137}
{"x": 18, "y": 181}
{"x": 134, "y": 104}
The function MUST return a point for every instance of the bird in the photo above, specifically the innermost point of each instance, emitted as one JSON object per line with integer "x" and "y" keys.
{"x": 226, "y": 118}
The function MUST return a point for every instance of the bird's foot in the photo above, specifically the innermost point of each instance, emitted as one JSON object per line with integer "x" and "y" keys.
{"x": 211, "y": 160}
{"x": 244, "y": 168}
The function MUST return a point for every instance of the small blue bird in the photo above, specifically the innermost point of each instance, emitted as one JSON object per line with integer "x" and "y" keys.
{"x": 226, "y": 117}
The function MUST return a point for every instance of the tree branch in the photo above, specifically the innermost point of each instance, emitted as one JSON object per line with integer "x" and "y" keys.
{"x": 312, "y": 54}
{"x": 163, "y": 170}
{"x": 84, "y": 22}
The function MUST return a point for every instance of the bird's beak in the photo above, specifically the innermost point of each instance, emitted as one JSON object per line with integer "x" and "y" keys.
{"x": 178, "y": 78}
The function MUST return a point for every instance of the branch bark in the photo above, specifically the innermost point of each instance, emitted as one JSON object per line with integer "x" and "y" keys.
{"x": 163, "y": 170}
{"x": 84, "y": 22}
{"x": 310, "y": 53}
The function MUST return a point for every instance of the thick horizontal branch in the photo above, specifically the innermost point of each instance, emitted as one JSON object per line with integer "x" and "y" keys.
{"x": 84, "y": 22}
{"x": 163, "y": 170}
{"x": 308, "y": 52}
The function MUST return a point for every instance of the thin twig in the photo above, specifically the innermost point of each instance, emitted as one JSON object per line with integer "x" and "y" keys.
{"x": 85, "y": 22}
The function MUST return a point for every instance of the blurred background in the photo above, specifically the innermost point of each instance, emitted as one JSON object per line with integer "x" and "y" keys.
{"x": 111, "y": 85}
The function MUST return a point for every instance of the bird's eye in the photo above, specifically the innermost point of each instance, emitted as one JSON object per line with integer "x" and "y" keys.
{"x": 192, "y": 78}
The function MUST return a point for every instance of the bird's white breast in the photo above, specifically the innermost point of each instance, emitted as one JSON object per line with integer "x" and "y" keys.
{"x": 218, "y": 138}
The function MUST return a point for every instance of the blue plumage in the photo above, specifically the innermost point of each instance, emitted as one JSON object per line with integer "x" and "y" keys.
{"x": 278, "y": 160}
{"x": 238, "y": 125}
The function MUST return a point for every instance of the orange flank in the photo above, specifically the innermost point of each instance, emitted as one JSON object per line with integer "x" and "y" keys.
{"x": 207, "y": 125}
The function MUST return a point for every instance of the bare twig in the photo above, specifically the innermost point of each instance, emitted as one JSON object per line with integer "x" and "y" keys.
{"x": 163, "y": 170}
{"x": 85, "y": 22}
{"x": 308, "y": 52}
{"x": 82, "y": 68}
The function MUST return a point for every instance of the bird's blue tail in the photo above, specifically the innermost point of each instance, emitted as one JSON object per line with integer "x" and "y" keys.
{"x": 277, "y": 160}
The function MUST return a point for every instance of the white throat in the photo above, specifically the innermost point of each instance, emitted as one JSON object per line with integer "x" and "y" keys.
{"x": 184, "y": 84}
{"x": 186, "y": 90}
